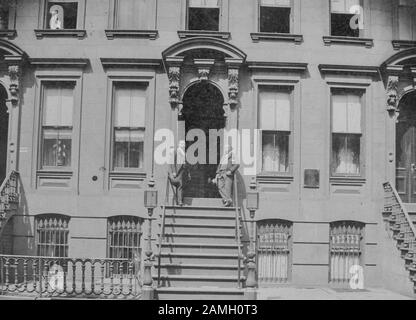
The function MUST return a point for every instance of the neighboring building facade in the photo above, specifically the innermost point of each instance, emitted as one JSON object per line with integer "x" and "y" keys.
{"x": 323, "y": 86}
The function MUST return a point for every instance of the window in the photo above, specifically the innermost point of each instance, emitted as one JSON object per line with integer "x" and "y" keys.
{"x": 346, "y": 132}
{"x": 274, "y": 251}
{"x": 204, "y": 15}
{"x": 275, "y": 126}
{"x": 62, "y": 15}
{"x": 131, "y": 14}
{"x": 123, "y": 240}
{"x": 346, "y": 242}
{"x": 4, "y": 16}
{"x": 341, "y": 17}
{"x": 129, "y": 126}
{"x": 52, "y": 236}
{"x": 275, "y": 16}
{"x": 407, "y": 20}
{"x": 57, "y": 109}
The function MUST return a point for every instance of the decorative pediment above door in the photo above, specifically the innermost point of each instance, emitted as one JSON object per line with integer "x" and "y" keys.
{"x": 202, "y": 57}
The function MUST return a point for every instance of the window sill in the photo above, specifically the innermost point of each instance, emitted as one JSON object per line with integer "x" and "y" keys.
{"x": 211, "y": 34}
{"x": 10, "y": 34}
{"x": 126, "y": 180}
{"x": 403, "y": 44}
{"x": 270, "y": 178}
{"x": 47, "y": 33}
{"x": 330, "y": 40}
{"x": 147, "y": 34}
{"x": 296, "y": 38}
{"x": 348, "y": 181}
{"x": 128, "y": 174}
{"x": 54, "y": 178}
{"x": 55, "y": 172}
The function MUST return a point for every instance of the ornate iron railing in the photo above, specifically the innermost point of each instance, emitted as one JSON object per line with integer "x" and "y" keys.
{"x": 237, "y": 231}
{"x": 46, "y": 277}
{"x": 9, "y": 193}
{"x": 402, "y": 227}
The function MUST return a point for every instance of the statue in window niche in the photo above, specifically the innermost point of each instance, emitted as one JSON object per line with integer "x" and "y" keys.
{"x": 57, "y": 14}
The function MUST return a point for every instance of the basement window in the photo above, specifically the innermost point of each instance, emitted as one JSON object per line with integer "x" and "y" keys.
{"x": 204, "y": 15}
{"x": 275, "y": 16}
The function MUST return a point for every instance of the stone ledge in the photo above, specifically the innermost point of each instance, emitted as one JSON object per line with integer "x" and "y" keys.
{"x": 10, "y": 34}
{"x": 48, "y": 33}
{"x": 211, "y": 34}
{"x": 403, "y": 44}
{"x": 147, "y": 34}
{"x": 330, "y": 40}
{"x": 270, "y": 36}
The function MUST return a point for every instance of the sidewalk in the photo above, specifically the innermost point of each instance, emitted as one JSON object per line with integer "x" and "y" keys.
{"x": 290, "y": 293}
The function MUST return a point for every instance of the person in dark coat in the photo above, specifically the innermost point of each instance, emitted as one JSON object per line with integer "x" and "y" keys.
{"x": 178, "y": 171}
{"x": 225, "y": 176}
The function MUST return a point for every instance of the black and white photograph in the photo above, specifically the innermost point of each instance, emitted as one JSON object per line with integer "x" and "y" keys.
{"x": 245, "y": 151}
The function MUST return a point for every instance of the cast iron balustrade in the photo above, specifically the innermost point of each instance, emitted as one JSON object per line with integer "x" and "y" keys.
{"x": 346, "y": 241}
{"x": 274, "y": 251}
{"x": 47, "y": 277}
{"x": 9, "y": 196}
{"x": 402, "y": 227}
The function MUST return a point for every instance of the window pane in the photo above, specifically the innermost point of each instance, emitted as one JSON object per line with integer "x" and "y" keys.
{"x": 204, "y": 3}
{"x": 56, "y": 148}
{"x": 407, "y": 22}
{"x": 275, "y": 109}
{"x": 274, "y": 19}
{"x": 58, "y": 106}
{"x": 343, "y": 6}
{"x": 129, "y": 149}
{"x": 346, "y": 153}
{"x": 346, "y": 113}
{"x": 130, "y": 107}
{"x": 207, "y": 19}
{"x": 132, "y": 14}
{"x": 275, "y": 3}
{"x": 340, "y": 25}
{"x": 275, "y": 152}
{"x": 62, "y": 15}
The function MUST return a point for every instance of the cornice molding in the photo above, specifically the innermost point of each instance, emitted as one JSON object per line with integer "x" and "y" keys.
{"x": 44, "y": 33}
{"x": 108, "y": 63}
{"x": 329, "y": 40}
{"x": 349, "y": 70}
{"x": 277, "y": 66}
{"x": 185, "y": 34}
{"x": 59, "y": 62}
{"x": 270, "y": 36}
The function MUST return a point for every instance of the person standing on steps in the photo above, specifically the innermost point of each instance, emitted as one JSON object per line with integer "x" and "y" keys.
{"x": 225, "y": 176}
{"x": 178, "y": 171}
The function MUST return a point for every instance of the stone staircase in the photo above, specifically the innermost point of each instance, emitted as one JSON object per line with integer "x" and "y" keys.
{"x": 199, "y": 252}
{"x": 403, "y": 229}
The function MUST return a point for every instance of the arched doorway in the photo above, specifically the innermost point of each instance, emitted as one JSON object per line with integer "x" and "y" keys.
{"x": 4, "y": 129}
{"x": 203, "y": 109}
{"x": 406, "y": 149}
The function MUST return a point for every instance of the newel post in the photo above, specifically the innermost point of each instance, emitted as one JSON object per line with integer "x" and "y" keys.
{"x": 150, "y": 203}
{"x": 252, "y": 207}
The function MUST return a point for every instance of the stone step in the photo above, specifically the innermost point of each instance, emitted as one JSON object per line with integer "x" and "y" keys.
{"x": 189, "y": 293}
{"x": 199, "y": 281}
{"x": 200, "y": 219}
{"x": 208, "y": 238}
{"x": 203, "y": 228}
{"x": 206, "y": 202}
{"x": 199, "y": 248}
{"x": 198, "y": 269}
{"x": 198, "y": 258}
{"x": 195, "y": 210}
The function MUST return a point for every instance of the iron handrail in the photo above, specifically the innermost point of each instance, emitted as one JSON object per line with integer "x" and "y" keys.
{"x": 237, "y": 230}
{"x": 403, "y": 208}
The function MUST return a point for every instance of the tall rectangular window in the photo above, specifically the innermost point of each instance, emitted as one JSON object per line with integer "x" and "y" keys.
{"x": 275, "y": 16}
{"x": 131, "y": 14}
{"x": 52, "y": 233}
{"x": 341, "y": 18}
{"x": 204, "y": 15}
{"x": 407, "y": 20}
{"x": 275, "y": 126}
{"x": 129, "y": 126}
{"x": 346, "y": 132}
{"x": 57, "y": 111}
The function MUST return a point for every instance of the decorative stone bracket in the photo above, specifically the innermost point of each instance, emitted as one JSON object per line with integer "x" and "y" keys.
{"x": 392, "y": 94}
{"x": 204, "y": 67}
{"x": 233, "y": 80}
{"x": 174, "y": 75}
{"x": 15, "y": 71}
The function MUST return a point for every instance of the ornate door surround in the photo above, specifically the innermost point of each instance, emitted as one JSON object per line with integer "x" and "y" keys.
{"x": 11, "y": 67}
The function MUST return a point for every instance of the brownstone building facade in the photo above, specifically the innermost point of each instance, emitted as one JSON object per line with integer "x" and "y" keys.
{"x": 87, "y": 84}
